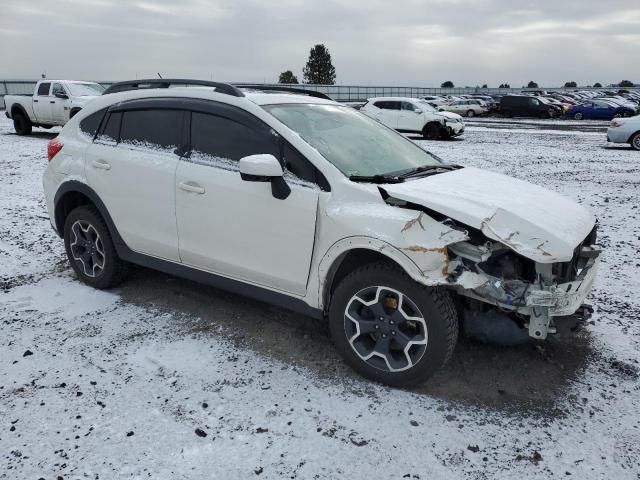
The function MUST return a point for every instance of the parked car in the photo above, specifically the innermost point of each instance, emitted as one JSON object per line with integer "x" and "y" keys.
{"x": 411, "y": 115}
{"x": 598, "y": 110}
{"x": 625, "y": 130}
{"x": 434, "y": 100}
{"x": 620, "y": 101}
{"x": 308, "y": 204}
{"x": 467, "y": 108}
{"x": 53, "y": 103}
{"x": 527, "y": 106}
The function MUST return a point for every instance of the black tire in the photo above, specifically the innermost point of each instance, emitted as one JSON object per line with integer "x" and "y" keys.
{"x": 635, "y": 141}
{"x": 81, "y": 228}
{"x": 432, "y": 131}
{"x": 578, "y": 116}
{"x": 22, "y": 124}
{"x": 471, "y": 113}
{"x": 434, "y": 306}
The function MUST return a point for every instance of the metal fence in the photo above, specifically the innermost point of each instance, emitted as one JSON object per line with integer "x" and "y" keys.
{"x": 341, "y": 93}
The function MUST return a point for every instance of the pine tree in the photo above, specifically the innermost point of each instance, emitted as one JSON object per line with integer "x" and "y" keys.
{"x": 532, "y": 84}
{"x": 287, "y": 77}
{"x": 319, "y": 69}
{"x": 447, "y": 84}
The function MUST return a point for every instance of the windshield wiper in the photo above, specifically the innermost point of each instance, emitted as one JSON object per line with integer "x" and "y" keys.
{"x": 424, "y": 169}
{"x": 376, "y": 178}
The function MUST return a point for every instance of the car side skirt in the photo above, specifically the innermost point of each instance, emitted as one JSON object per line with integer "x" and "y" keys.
{"x": 218, "y": 281}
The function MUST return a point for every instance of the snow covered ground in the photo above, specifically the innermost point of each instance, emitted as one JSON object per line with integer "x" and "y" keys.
{"x": 167, "y": 379}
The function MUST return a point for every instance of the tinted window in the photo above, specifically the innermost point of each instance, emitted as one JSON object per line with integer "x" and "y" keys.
{"x": 407, "y": 106}
{"x": 382, "y": 105}
{"x": 111, "y": 131}
{"x": 43, "y": 89}
{"x": 90, "y": 124}
{"x": 388, "y": 105}
{"x": 226, "y": 139}
{"x": 152, "y": 127}
{"x": 57, "y": 89}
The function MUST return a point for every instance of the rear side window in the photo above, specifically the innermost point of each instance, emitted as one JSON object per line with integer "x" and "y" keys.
{"x": 43, "y": 89}
{"x": 111, "y": 131}
{"x": 90, "y": 125}
{"x": 220, "y": 138}
{"x": 157, "y": 128}
{"x": 388, "y": 105}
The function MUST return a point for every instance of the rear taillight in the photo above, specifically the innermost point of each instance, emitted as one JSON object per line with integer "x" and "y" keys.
{"x": 53, "y": 147}
{"x": 616, "y": 122}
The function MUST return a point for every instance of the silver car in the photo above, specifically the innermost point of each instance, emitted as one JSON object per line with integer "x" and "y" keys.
{"x": 625, "y": 130}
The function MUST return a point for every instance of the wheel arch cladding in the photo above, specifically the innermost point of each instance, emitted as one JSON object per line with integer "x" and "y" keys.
{"x": 18, "y": 109}
{"x": 73, "y": 194}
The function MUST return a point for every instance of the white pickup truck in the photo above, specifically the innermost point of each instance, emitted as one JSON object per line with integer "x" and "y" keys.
{"x": 53, "y": 103}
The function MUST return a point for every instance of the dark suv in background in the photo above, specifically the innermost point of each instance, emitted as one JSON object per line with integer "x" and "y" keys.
{"x": 527, "y": 106}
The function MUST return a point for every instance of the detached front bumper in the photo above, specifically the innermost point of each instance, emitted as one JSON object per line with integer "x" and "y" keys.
{"x": 455, "y": 128}
{"x": 566, "y": 298}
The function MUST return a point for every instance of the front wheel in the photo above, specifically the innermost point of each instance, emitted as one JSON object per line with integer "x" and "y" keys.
{"x": 431, "y": 131}
{"x": 635, "y": 141}
{"x": 578, "y": 116}
{"x": 22, "y": 124}
{"x": 391, "y": 329}
{"x": 90, "y": 249}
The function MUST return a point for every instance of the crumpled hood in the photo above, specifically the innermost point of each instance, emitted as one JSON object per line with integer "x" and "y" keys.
{"x": 535, "y": 222}
{"x": 449, "y": 115}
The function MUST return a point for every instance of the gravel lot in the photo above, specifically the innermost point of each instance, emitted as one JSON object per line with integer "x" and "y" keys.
{"x": 167, "y": 379}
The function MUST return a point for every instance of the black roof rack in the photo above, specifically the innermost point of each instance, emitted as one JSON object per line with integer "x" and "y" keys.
{"x": 283, "y": 89}
{"x": 168, "y": 82}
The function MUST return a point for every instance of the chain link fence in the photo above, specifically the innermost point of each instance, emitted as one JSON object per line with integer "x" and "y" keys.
{"x": 341, "y": 93}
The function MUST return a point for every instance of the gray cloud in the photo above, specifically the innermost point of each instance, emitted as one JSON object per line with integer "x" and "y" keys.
{"x": 406, "y": 42}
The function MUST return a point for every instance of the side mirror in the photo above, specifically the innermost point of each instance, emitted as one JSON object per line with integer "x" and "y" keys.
{"x": 265, "y": 168}
{"x": 61, "y": 95}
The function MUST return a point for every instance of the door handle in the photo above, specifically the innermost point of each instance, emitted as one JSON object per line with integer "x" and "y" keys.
{"x": 35, "y": 101}
{"x": 52, "y": 101}
{"x": 191, "y": 187}
{"x": 102, "y": 164}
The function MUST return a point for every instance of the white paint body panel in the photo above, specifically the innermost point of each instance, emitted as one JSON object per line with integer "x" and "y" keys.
{"x": 238, "y": 229}
{"x": 138, "y": 189}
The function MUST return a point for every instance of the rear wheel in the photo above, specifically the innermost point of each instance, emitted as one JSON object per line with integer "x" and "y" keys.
{"x": 635, "y": 141}
{"x": 578, "y": 116}
{"x": 22, "y": 124}
{"x": 391, "y": 329}
{"x": 471, "y": 113}
{"x": 431, "y": 131}
{"x": 90, "y": 249}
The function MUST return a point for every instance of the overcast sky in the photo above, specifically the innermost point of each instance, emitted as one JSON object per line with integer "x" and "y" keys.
{"x": 372, "y": 42}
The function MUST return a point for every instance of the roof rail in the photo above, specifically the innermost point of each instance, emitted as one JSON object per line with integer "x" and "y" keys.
{"x": 284, "y": 89}
{"x": 168, "y": 82}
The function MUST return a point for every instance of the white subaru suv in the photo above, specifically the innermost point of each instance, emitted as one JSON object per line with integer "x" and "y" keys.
{"x": 304, "y": 203}
{"x": 413, "y": 115}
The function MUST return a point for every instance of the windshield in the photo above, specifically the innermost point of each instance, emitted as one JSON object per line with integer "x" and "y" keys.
{"x": 85, "y": 89}
{"x": 356, "y": 144}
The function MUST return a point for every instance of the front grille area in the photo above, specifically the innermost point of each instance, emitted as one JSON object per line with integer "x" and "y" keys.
{"x": 568, "y": 271}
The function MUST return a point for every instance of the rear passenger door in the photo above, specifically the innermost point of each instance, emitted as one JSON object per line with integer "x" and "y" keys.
{"x": 236, "y": 228}
{"x": 388, "y": 112}
{"x": 131, "y": 165}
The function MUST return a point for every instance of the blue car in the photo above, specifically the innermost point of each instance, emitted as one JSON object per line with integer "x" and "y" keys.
{"x": 598, "y": 110}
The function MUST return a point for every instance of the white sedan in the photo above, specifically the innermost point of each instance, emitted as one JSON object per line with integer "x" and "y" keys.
{"x": 467, "y": 108}
{"x": 625, "y": 130}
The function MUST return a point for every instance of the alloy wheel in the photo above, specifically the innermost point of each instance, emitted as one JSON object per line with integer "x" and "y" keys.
{"x": 385, "y": 328}
{"x": 87, "y": 248}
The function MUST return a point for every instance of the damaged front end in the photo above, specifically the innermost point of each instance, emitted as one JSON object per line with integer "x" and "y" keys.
{"x": 529, "y": 292}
